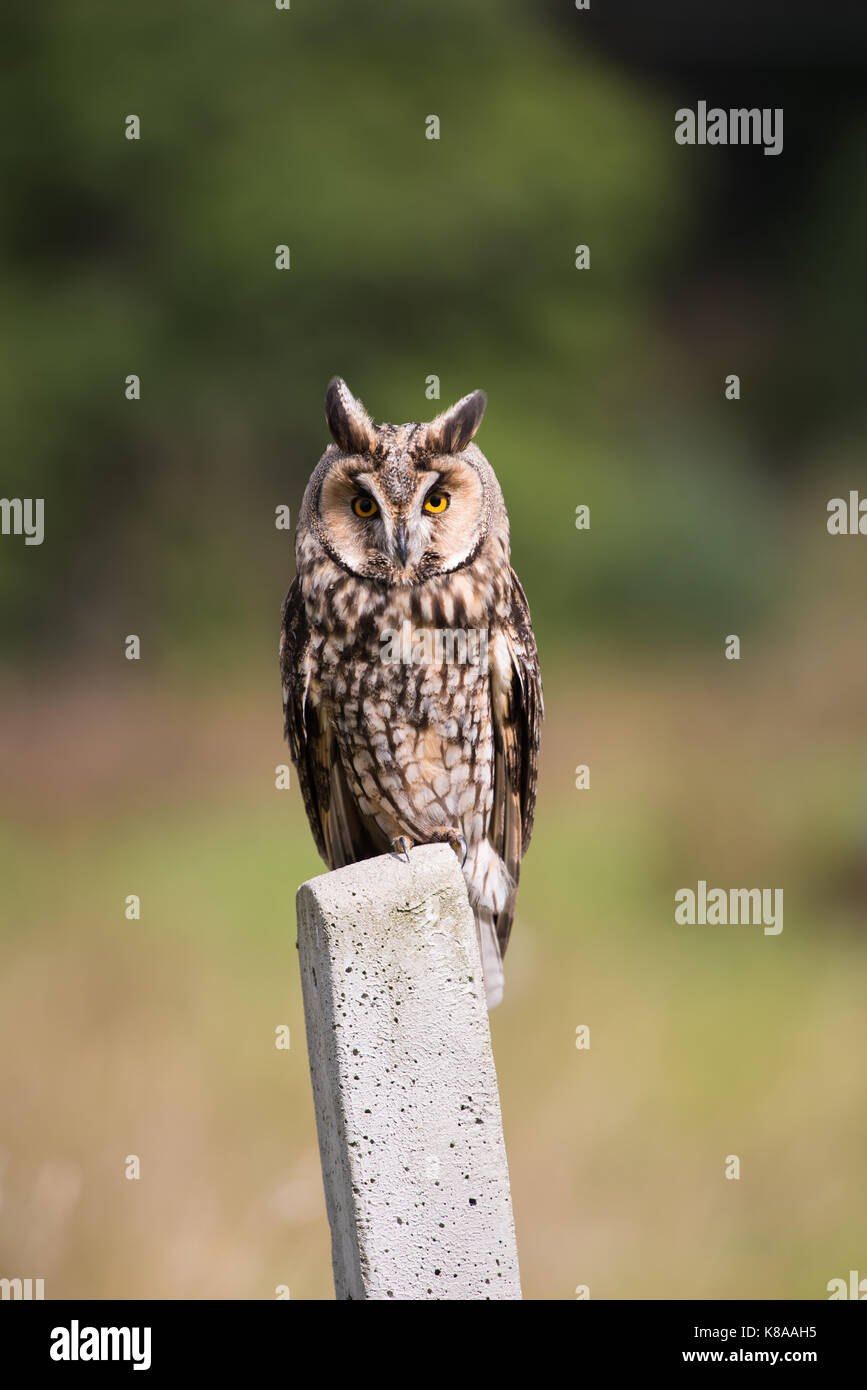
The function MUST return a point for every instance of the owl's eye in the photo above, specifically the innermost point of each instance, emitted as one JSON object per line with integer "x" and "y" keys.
{"x": 365, "y": 506}
{"x": 436, "y": 502}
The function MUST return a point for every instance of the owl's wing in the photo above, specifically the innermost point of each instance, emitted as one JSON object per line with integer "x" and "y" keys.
{"x": 517, "y": 709}
{"x": 341, "y": 835}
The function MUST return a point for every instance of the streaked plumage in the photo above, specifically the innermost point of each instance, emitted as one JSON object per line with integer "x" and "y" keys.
{"x": 435, "y": 747}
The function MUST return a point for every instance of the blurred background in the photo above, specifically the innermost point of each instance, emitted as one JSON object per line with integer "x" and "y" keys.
{"x": 454, "y": 258}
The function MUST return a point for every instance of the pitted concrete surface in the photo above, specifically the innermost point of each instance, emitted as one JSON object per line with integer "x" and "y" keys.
{"x": 407, "y": 1106}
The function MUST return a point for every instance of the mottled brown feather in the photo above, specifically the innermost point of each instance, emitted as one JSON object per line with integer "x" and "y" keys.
{"x": 342, "y": 835}
{"x": 517, "y": 738}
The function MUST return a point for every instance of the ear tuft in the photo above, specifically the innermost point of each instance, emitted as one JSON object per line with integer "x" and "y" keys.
{"x": 350, "y": 425}
{"x": 452, "y": 431}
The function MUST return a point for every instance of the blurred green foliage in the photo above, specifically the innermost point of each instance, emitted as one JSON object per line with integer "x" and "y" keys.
{"x": 410, "y": 257}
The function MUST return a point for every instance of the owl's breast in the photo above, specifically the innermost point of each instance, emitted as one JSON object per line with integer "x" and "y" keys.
{"x": 416, "y": 740}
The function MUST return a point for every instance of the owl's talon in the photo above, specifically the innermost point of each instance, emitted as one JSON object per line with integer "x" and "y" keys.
{"x": 401, "y": 846}
{"x": 455, "y": 840}
{"x": 460, "y": 847}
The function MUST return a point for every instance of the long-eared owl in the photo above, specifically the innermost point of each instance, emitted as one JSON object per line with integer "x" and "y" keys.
{"x": 411, "y": 686}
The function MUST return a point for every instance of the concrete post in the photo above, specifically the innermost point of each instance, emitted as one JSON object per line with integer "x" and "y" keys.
{"x": 407, "y": 1107}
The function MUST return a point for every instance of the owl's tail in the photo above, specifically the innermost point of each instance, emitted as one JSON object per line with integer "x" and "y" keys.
{"x": 492, "y": 961}
{"x": 491, "y": 888}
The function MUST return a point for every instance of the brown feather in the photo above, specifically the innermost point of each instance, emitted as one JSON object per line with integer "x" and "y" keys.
{"x": 517, "y": 736}
{"x": 341, "y": 833}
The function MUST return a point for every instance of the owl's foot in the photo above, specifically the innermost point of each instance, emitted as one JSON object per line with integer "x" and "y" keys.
{"x": 401, "y": 846}
{"x": 455, "y": 840}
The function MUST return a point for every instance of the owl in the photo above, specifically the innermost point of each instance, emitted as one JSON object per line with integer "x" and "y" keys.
{"x": 411, "y": 687}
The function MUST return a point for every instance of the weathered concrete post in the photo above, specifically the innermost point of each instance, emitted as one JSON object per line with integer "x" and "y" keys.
{"x": 407, "y": 1107}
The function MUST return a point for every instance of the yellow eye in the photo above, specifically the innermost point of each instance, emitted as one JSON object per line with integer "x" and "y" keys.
{"x": 436, "y": 502}
{"x": 365, "y": 506}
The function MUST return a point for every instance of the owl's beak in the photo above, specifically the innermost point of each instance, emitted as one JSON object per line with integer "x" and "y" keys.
{"x": 401, "y": 542}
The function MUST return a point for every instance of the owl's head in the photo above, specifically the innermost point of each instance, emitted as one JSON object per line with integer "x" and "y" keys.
{"x": 402, "y": 504}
